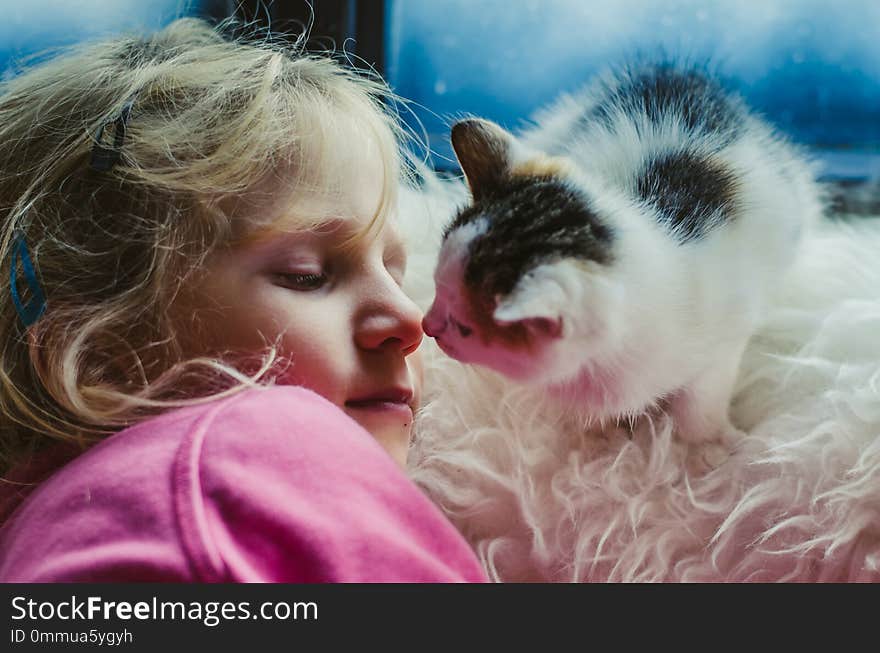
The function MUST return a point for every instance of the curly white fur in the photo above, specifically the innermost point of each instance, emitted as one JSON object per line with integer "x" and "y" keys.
{"x": 542, "y": 499}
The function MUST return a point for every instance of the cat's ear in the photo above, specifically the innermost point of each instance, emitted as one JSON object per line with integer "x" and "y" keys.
{"x": 537, "y": 303}
{"x": 536, "y": 319}
{"x": 484, "y": 151}
{"x": 568, "y": 298}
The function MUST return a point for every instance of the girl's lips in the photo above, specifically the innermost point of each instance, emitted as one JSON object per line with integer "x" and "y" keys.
{"x": 393, "y": 402}
{"x": 381, "y": 407}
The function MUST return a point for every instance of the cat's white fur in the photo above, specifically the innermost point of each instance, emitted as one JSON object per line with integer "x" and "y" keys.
{"x": 542, "y": 499}
{"x": 666, "y": 322}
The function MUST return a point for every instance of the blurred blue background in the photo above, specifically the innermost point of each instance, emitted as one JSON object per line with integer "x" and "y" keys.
{"x": 30, "y": 27}
{"x": 811, "y": 67}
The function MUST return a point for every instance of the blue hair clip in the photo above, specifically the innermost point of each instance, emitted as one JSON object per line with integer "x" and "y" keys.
{"x": 31, "y": 310}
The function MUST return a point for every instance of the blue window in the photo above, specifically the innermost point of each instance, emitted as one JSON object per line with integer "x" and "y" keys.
{"x": 811, "y": 67}
{"x": 31, "y": 28}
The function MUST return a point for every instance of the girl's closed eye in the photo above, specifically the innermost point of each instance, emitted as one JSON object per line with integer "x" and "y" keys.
{"x": 301, "y": 276}
{"x": 303, "y": 281}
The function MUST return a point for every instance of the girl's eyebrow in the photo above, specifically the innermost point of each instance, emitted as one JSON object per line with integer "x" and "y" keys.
{"x": 273, "y": 235}
{"x": 333, "y": 225}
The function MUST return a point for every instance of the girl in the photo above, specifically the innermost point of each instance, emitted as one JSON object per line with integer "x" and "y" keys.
{"x": 203, "y": 282}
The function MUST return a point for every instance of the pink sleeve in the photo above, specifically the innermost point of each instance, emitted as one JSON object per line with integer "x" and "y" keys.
{"x": 282, "y": 486}
{"x": 275, "y": 484}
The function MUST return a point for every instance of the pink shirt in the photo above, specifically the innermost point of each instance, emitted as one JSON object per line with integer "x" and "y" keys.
{"x": 272, "y": 484}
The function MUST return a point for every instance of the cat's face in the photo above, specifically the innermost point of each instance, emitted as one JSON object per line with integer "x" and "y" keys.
{"x": 522, "y": 272}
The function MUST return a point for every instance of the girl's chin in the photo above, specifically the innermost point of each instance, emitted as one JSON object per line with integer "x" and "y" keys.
{"x": 392, "y": 434}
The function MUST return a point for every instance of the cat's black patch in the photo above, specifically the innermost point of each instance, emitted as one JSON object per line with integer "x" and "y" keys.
{"x": 663, "y": 90}
{"x": 532, "y": 220}
{"x": 691, "y": 193}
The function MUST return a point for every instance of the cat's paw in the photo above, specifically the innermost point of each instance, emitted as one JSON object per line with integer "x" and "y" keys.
{"x": 714, "y": 451}
{"x": 704, "y": 458}
{"x": 729, "y": 436}
{"x": 697, "y": 432}
{"x": 713, "y": 455}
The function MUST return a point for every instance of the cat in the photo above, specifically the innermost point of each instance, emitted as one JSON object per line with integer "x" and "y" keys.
{"x": 621, "y": 252}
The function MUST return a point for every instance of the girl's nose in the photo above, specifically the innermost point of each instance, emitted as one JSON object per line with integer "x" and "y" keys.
{"x": 396, "y": 325}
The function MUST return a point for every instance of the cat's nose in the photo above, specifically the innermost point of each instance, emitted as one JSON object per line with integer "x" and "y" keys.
{"x": 434, "y": 323}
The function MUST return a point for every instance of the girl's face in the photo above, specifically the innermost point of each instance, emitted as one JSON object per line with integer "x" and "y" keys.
{"x": 340, "y": 315}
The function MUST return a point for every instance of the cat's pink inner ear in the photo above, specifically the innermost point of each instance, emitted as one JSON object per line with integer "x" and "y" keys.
{"x": 483, "y": 150}
{"x": 544, "y": 326}
{"x": 538, "y": 325}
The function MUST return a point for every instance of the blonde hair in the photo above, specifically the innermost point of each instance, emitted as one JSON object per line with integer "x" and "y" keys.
{"x": 211, "y": 119}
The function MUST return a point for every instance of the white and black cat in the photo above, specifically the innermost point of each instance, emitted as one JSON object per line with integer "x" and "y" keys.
{"x": 621, "y": 253}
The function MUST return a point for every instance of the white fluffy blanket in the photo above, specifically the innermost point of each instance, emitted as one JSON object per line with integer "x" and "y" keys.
{"x": 544, "y": 499}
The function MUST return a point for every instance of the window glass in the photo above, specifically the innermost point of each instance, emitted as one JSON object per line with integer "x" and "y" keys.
{"x": 812, "y": 67}
{"x": 32, "y": 27}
